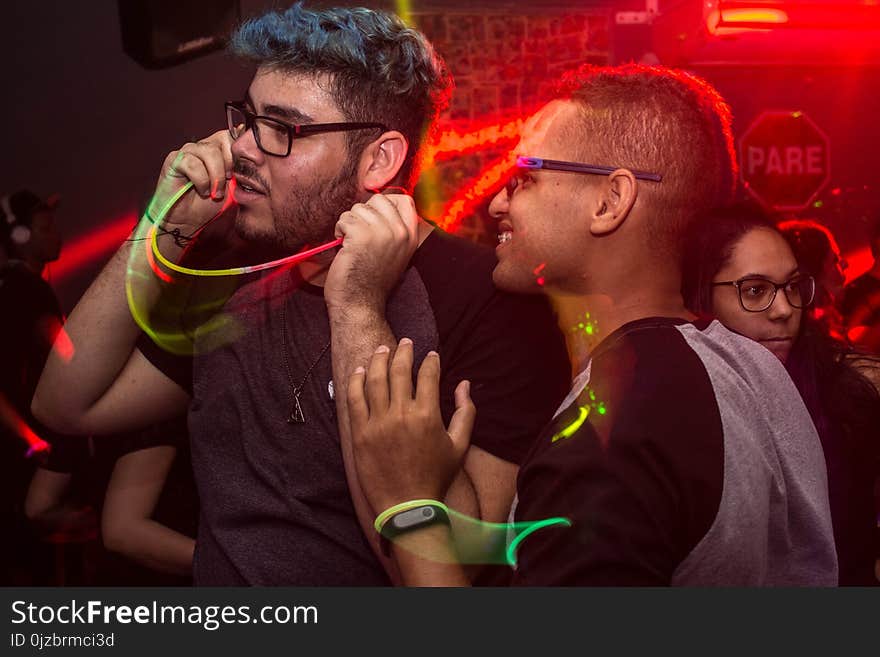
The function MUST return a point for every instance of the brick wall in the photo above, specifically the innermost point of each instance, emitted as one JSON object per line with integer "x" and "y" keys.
{"x": 503, "y": 63}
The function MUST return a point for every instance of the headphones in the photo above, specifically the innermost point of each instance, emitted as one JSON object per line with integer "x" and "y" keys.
{"x": 19, "y": 234}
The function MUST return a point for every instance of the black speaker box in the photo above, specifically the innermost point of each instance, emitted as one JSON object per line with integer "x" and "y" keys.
{"x": 162, "y": 33}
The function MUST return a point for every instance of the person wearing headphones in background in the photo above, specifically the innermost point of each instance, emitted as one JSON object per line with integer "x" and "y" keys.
{"x": 32, "y": 316}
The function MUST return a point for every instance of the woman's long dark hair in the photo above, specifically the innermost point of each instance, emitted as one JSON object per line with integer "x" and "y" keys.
{"x": 708, "y": 247}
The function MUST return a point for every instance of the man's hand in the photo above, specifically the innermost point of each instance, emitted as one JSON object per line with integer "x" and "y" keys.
{"x": 380, "y": 237}
{"x": 401, "y": 449}
{"x": 208, "y": 165}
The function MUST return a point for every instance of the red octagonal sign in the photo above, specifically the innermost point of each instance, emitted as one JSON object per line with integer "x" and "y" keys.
{"x": 784, "y": 160}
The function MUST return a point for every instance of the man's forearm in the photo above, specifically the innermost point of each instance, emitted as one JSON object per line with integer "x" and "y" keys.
{"x": 154, "y": 545}
{"x": 103, "y": 333}
{"x": 354, "y": 338}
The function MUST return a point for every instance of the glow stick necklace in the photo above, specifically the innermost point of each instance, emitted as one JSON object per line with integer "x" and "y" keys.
{"x": 235, "y": 271}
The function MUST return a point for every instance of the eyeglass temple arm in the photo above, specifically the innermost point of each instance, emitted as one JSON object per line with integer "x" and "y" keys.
{"x": 311, "y": 129}
{"x": 558, "y": 165}
{"x": 303, "y": 128}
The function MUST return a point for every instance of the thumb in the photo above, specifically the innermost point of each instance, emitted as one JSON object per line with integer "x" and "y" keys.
{"x": 462, "y": 423}
{"x": 339, "y": 230}
{"x": 406, "y": 208}
{"x": 404, "y": 202}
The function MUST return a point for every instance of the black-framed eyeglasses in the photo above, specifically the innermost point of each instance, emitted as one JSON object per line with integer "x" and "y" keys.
{"x": 276, "y": 137}
{"x": 756, "y": 294}
{"x": 528, "y": 162}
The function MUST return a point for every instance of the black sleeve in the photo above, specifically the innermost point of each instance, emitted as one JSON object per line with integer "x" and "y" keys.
{"x": 515, "y": 358}
{"x": 640, "y": 483}
{"x": 68, "y": 454}
{"x": 171, "y": 433}
{"x": 507, "y": 345}
{"x": 177, "y": 368}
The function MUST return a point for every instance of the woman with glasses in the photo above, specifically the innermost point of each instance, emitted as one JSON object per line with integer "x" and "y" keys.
{"x": 739, "y": 269}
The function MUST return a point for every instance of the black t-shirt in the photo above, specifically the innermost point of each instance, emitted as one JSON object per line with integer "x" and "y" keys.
{"x": 275, "y": 503}
{"x": 688, "y": 458}
{"x": 90, "y": 462}
{"x": 612, "y": 469}
{"x": 177, "y": 507}
{"x": 30, "y": 312}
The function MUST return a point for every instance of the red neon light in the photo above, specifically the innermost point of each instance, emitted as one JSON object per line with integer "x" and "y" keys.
{"x": 467, "y": 200}
{"x": 772, "y": 16}
{"x": 91, "y": 247}
{"x": 463, "y": 137}
{"x": 729, "y": 21}
{"x": 735, "y": 16}
{"x": 458, "y": 140}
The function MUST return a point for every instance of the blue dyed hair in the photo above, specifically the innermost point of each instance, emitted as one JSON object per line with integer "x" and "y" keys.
{"x": 380, "y": 70}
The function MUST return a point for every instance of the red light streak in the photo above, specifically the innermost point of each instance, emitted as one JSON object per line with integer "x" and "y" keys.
{"x": 467, "y": 200}
{"x": 88, "y": 248}
{"x": 91, "y": 247}
{"x": 13, "y": 420}
{"x": 460, "y": 140}
{"x": 54, "y": 333}
{"x": 540, "y": 280}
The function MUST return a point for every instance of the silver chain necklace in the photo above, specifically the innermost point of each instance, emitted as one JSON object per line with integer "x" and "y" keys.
{"x": 296, "y": 413}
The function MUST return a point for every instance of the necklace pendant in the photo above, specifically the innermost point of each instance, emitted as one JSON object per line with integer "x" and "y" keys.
{"x": 296, "y": 413}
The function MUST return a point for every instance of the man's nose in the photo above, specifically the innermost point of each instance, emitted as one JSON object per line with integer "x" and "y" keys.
{"x": 499, "y": 204}
{"x": 246, "y": 147}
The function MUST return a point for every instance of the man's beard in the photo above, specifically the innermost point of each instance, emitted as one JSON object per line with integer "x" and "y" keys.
{"x": 308, "y": 214}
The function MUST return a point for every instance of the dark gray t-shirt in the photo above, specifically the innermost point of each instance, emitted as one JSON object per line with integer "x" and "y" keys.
{"x": 275, "y": 503}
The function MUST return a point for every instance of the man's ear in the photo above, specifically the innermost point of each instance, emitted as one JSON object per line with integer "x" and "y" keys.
{"x": 612, "y": 205}
{"x": 382, "y": 160}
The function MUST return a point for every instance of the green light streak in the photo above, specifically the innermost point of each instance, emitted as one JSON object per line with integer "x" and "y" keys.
{"x": 568, "y": 431}
{"x": 478, "y": 542}
{"x": 404, "y": 11}
{"x": 162, "y": 320}
{"x": 528, "y": 531}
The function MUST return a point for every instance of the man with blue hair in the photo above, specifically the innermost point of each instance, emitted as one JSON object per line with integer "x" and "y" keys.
{"x": 337, "y": 110}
